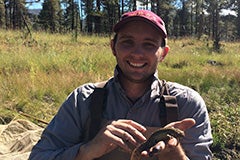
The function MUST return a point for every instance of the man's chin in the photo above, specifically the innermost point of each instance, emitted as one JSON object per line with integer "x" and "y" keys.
{"x": 139, "y": 79}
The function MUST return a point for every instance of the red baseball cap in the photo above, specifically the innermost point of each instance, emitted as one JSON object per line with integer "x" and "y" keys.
{"x": 144, "y": 15}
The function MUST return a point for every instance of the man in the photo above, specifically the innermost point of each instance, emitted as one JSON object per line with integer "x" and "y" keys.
{"x": 131, "y": 106}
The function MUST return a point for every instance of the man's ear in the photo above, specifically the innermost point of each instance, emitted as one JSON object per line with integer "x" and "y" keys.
{"x": 113, "y": 47}
{"x": 165, "y": 51}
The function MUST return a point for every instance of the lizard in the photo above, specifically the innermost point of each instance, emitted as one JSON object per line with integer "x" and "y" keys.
{"x": 162, "y": 134}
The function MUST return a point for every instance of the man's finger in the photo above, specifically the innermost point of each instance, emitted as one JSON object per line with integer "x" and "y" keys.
{"x": 132, "y": 128}
{"x": 157, "y": 148}
{"x": 183, "y": 124}
{"x": 136, "y": 125}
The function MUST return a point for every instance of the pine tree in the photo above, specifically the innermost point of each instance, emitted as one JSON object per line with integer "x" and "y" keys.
{"x": 71, "y": 15}
{"x": 50, "y": 15}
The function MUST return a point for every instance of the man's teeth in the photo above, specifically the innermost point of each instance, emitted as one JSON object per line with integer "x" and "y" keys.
{"x": 137, "y": 64}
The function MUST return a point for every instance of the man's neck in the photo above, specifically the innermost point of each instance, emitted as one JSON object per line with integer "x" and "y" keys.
{"x": 135, "y": 90}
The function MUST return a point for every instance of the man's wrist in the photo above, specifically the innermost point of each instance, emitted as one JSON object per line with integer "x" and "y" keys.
{"x": 84, "y": 153}
{"x": 182, "y": 153}
{"x": 173, "y": 153}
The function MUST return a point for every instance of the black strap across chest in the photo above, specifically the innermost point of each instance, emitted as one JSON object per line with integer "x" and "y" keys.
{"x": 96, "y": 109}
{"x": 168, "y": 106}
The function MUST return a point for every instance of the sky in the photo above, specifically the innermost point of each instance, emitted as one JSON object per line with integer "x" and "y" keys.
{"x": 39, "y": 6}
{"x": 227, "y": 12}
{"x": 35, "y": 5}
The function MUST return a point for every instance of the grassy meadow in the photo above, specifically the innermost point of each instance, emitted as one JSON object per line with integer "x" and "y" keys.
{"x": 37, "y": 74}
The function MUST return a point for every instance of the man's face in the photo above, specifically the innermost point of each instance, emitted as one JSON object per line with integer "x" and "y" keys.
{"x": 137, "y": 50}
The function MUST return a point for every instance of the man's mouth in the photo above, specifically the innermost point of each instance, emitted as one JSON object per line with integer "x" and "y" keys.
{"x": 136, "y": 65}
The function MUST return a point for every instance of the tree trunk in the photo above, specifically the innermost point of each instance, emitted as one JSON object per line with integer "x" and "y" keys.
{"x": 122, "y": 10}
{"x": 238, "y": 19}
{"x": 97, "y": 17}
{"x": 2, "y": 14}
{"x": 216, "y": 34}
{"x": 89, "y": 19}
{"x": 134, "y": 5}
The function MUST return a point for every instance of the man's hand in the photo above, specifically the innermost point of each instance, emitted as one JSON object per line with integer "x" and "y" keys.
{"x": 171, "y": 149}
{"x": 113, "y": 134}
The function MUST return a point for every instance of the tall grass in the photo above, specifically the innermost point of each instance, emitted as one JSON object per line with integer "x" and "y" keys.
{"x": 36, "y": 75}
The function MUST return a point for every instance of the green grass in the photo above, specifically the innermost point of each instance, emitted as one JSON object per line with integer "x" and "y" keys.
{"x": 37, "y": 74}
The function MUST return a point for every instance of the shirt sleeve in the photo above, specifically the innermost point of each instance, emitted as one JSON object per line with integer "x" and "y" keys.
{"x": 63, "y": 136}
{"x": 198, "y": 139}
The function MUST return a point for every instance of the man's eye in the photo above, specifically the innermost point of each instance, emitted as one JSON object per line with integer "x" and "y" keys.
{"x": 127, "y": 43}
{"x": 149, "y": 45}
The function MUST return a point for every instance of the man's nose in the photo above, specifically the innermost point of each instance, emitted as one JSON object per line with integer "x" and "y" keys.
{"x": 138, "y": 50}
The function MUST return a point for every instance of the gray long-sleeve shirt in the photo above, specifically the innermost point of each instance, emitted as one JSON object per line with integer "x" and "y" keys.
{"x": 63, "y": 137}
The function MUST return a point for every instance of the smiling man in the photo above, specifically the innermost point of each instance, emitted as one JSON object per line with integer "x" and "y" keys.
{"x": 132, "y": 106}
